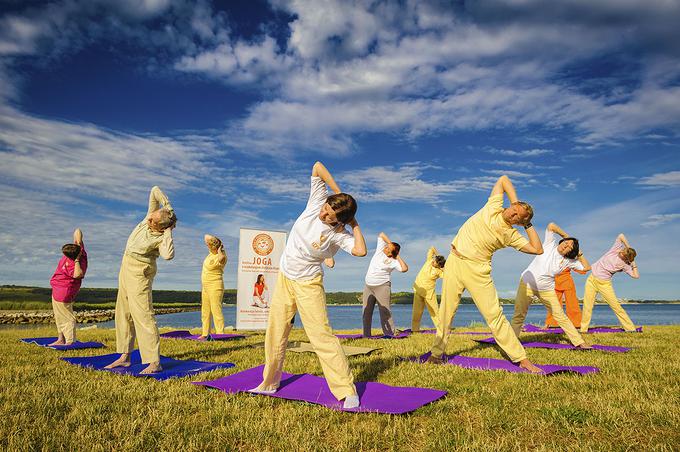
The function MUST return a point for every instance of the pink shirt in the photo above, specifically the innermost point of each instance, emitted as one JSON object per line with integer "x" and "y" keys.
{"x": 611, "y": 263}
{"x": 64, "y": 286}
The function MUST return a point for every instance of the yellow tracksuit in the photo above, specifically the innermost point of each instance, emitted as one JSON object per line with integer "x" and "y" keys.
{"x": 212, "y": 292}
{"x": 605, "y": 288}
{"x": 470, "y": 268}
{"x": 134, "y": 304}
{"x": 307, "y": 297}
{"x": 424, "y": 293}
{"x": 550, "y": 301}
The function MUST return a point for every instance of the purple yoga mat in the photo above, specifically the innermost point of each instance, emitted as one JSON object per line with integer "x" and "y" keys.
{"x": 469, "y": 362}
{"x": 77, "y": 345}
{"x": 374, "y": 397}
{"x": 597, "y": 329}
{"x": 400, "y": 335}
{"x": 171, "y": 367}
{"x": 603, "y": 348}
{"x": 185, "y": 334}
{"x": 434, "y": 331}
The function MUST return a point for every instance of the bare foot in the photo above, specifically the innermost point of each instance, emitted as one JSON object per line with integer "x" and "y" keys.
{"x": 259, "y": 390}
{"x": 584, "y": 346}
{"x": 528, "y": 365}
{"x": 57, "y": 342}
{"x": 435, "y": 359}
{"x": 202, "y": 338}
{"x": 152, "y": 368}
{"x": 122, "y": 361}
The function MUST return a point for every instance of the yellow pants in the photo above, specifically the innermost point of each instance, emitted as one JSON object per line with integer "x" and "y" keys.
{"x": 211, "y": 303}
{"x": 461, "y": 274}
{"x": 309, "y": 298}
{"x": 134, "y": 310}
{"x": 421, "y": 298}
{"x": 605, "y": 288}
{"x": 65, "y": 320}
{"x": 550, "y": 301}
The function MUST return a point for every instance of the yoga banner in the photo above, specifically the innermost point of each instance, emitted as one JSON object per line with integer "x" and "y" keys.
{"x": 259, "y": 253}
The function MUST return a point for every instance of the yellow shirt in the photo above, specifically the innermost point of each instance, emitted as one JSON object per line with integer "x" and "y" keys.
{"x": 428, "y": 274}
{"x": 213, "y": 270}
{"x": 146, "y": 245}
{"x": 486, "y": 232}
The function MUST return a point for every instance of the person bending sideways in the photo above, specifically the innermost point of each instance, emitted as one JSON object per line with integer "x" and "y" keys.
{"x": 212, "y": 286}
{"x": 317, "y": 234}
{"x": 65, "y": 284}
{"x": 134, "y": 305}
{"x": 424, "y": 288}
{"x": 538, "y": 280}
{"x": 566, "y": 292}
{"x": 378, "y": 287}
{"x": 469, "y": 267}
{"x": 619, "y": 258}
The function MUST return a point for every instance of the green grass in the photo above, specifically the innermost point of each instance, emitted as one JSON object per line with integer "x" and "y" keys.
{"x": 633, "y": 404}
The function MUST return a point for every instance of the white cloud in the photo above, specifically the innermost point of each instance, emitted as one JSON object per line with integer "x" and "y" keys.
{"x": 659, "y": 180}
{"x": 659, "y": 219}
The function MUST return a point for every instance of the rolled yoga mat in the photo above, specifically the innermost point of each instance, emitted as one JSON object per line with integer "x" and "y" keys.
{"x": 77, "y": 345}
{"x": 469, "y": 362}
{"x": 399, "y": 335}
{"x": 603, "y": 348}
{"x": 171, "y": 367}
{"x": 185, "y": 334}
{"x": 529, "y": 328}
{"x": 374, "y": 397}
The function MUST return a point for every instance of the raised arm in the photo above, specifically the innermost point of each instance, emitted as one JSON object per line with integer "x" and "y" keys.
{"x": 78, "y": 237}
{"x": 552, "y": 227}
{"x": 222, "y": 254}
{"x": 167, "y": 246}
{"x": 534, "y": 246}
{"x": 636, "y": 273}
{"x": 386, "y": 239}
{"x": 330, "y": 262}
{"x": 504, "y": 185}
{"x": 622, "y": 239}
{"x": 319, "y": 170}
{"x": 157, "y": 199}
{"x": 586, "y": 265}
{"x": 404, "y": 266}
{"x": 359, "y": 249}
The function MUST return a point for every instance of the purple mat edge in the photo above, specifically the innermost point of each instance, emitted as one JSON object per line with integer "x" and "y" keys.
{"x": 553, "y": 346}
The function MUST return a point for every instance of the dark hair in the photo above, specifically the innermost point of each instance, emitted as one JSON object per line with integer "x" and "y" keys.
{"x": 395, "y": 250}
{"x": 258, "y": 278}
{"x": 344, "y": 206}
{"x": 440, "y": 260}
{"x": 70, "y": 250}
{"x": 573, "y": 254}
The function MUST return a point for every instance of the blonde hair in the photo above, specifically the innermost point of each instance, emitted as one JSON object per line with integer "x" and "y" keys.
{"x": 629, "y": 254}
{"x": 214, "y": 243}
{"x": 529, "y": 210}
{"x": 166, "y": 218}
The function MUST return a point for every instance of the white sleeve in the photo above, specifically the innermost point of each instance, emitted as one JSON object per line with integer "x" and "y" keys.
{"x": 380, "y": 245}
{"x": 576, "y": 265}
{"x": 345, "y": 241}
{"x": 396, "y": 265}
{"x": 318, "y": 193}
{"x": 549, "y": 239}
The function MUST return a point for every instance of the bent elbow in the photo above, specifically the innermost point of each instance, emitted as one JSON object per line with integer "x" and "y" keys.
{"x": 359, "y": 253}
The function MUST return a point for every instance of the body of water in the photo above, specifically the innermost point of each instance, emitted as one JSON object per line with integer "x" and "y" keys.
{"x": 349, "y": 317}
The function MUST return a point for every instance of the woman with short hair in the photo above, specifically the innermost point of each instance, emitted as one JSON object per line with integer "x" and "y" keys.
{"x": 212, "y": 286}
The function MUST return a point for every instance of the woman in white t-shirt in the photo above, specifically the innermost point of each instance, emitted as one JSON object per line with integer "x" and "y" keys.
{"x": 378, "y": 287}
{"x": 538, "y": 280}
{"x": 318, "y": 233}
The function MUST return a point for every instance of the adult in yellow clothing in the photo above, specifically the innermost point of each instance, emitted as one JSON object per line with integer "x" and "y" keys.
{"x": 317, "y": 234}
{"x": 619, "y": 258}
{"x": 212, "y": 286}
{"x": 424, "y": 288}
{"x": 469, "y": 267}
{"x": 151, "y": 238}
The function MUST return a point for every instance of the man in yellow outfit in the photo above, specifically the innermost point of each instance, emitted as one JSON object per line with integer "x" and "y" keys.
{"x": 212, "y": 286}
{"x": 424, "y": 288}
{"x": 469, "y": 267}
{"x": 318, "y": 233}
{"x": 619, "y": 258}
{"x": 134, "y": 305}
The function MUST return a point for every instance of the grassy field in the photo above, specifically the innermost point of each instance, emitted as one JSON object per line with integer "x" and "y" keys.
{"x": 633, "y": 404}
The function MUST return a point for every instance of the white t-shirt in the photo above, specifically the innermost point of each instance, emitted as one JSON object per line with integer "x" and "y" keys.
{"x": 381, "y": 266}
{"x": 310, "y": 240}
{"x": 540, "y": 274}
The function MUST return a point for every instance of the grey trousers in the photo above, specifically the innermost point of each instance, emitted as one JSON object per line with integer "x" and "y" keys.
{"x": 380, "y": 294}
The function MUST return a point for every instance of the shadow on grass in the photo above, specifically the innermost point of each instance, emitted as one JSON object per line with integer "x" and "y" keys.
{"x": 209, "y": 353}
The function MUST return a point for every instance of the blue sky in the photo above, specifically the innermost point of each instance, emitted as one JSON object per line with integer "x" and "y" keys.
{"x": 416, "y": 108}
